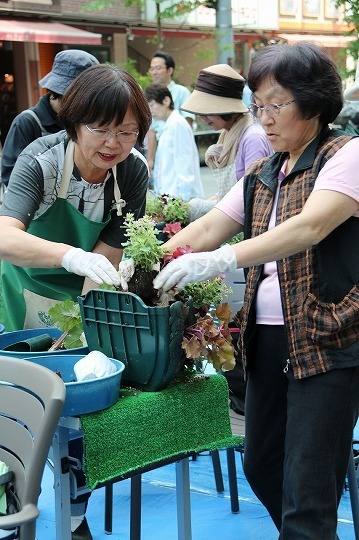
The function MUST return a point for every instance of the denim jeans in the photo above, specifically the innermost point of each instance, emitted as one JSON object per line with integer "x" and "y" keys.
{"x": 298, "y": 439}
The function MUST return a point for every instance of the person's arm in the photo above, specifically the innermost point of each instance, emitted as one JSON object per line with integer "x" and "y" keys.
{"x": 323, "y": 212}
{"x": 23, "y": 249}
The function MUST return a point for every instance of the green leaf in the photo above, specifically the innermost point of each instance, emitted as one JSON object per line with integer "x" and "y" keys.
{"x": 67, "y": 317}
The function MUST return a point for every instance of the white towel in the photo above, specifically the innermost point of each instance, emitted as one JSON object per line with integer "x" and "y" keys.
{"x": 94, "y": 365}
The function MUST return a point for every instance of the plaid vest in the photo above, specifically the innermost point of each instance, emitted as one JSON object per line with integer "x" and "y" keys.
{"x": 319, "y": 286}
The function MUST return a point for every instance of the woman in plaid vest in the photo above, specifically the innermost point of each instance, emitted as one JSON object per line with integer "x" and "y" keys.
{"x": 299, "y": 211}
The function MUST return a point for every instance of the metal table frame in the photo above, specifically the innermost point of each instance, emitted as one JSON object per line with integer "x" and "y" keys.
{"x": 59, "y": 462}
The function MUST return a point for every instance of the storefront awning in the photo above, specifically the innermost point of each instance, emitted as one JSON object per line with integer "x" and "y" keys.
{"x": 46, "y": 32}
{"x": 326, "y": 41}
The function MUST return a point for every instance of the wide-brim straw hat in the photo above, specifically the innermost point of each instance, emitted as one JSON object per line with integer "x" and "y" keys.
{"x": 218, "y": 90}
{"x": 352, "y": 93}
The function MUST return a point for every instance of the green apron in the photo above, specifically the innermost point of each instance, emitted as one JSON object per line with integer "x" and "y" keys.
{"x": 26, "y": 294}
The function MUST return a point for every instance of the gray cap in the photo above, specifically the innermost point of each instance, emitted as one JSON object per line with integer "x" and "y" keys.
{"x": 66, "y": 67}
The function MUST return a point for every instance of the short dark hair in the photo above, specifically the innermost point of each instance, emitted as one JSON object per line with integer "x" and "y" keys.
{"x": 170, "y": 63}
{"x": 307, "y": 71}
{"x": 158, "y": 92}
{"x": 102, "y": 94}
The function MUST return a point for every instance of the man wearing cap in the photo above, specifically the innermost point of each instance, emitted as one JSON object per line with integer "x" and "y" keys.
{"x": 42, "y": 119}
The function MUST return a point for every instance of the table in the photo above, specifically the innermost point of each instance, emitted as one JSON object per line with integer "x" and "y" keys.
{"x": 143, "y": 431}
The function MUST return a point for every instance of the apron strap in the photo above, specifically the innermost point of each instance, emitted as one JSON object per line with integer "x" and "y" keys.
{"x": 67, "y": 173}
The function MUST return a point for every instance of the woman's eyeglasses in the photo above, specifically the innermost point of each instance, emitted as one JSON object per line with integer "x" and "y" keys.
{"x": 105, "y": 135}
{"x": 272, "y": 109}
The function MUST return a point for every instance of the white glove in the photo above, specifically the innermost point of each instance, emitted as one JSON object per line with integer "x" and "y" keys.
{"x": 198, "y": 207}
{"x": 92, "y": 265}
{"x": 126, "y": 270}
{"x": 194, "y": 267}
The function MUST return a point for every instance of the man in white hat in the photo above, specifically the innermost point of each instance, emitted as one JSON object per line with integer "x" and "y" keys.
{"x": 42, "y": 119}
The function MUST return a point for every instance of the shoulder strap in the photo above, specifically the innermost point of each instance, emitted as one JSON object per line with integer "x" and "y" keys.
{"x": 37, "y": 119}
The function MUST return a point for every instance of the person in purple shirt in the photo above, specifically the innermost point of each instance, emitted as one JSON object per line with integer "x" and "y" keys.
{"x": 217, "y": 98}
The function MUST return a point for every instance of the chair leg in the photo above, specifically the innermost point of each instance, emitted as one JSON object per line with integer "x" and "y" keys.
{"x": 232, "y": 480}
{"x": 108, "y": 508}
{"x": 353, "y": 492}
{"x": 218, "y": 477}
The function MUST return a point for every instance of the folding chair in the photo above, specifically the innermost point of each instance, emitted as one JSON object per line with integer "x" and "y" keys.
{"x": 31, "y": 401}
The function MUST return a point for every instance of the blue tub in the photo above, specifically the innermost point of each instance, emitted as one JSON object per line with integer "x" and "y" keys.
{"x": 9, "y": 338}
{"x": 85, "y": 396}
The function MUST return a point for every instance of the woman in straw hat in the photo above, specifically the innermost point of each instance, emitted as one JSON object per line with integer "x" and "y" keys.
{"x": 299, "y": 325}
{"x": 217, "y": 98}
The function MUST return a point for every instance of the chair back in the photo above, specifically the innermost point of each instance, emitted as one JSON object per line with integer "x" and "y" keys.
{"x": 31, "y": 401}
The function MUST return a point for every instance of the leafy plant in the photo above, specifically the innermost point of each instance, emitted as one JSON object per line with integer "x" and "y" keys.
{"x": 205, "y": 293}
{"x": 172, "y": 228}
{"x": 235, "y": 239}
{"x": 142, "y": 245}
{"x": 167, "y": 208}
{"x": 131, "y": 67}
{"x": 154, "y": 207}
{"x": 207, "y": 340}
{"x": 209, "y": 337}
{"x": 176, "y": 209}
{"x": 67, "y": 317}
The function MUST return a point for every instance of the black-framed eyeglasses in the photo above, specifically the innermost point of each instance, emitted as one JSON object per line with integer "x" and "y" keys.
{"x": 272, "y": 109}
{"x": 105, "y": 135}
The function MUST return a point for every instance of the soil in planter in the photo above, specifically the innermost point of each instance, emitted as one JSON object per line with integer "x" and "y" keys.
{"x": 141, "y": 284}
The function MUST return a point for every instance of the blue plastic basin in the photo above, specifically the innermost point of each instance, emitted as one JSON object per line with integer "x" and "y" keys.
{"x": 9, "y": 338}
{"x": 2, "y": 328}
{"x": 86, "y": 396}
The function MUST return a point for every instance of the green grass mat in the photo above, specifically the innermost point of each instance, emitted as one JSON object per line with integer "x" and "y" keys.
{"x": 144, "y": 428}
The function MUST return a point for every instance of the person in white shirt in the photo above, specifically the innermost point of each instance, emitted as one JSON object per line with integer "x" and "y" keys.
{"x": 177, "y": 168}
{"x": 161, "y": 70}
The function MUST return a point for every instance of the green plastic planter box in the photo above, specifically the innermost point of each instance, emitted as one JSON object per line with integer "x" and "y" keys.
{"x": 146, "y": 339}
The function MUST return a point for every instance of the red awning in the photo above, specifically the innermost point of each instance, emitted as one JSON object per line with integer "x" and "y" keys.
{"x": 46, "y": 32}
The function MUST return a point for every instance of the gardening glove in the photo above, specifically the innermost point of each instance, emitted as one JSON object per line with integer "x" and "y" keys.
{"x": 126, "y": 270}
{"x": 92, "y": 265}
{"x": 198, "y": 207}
{"x": 194, "y": 267}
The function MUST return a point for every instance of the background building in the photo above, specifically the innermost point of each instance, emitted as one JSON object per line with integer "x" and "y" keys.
{"x": 33, "y": 31}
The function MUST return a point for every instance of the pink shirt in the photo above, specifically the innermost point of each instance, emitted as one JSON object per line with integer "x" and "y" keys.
{"x": 338, "y": 174}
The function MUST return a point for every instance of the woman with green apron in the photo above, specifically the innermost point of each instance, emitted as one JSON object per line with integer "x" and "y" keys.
{"x": 61, "y": 223}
